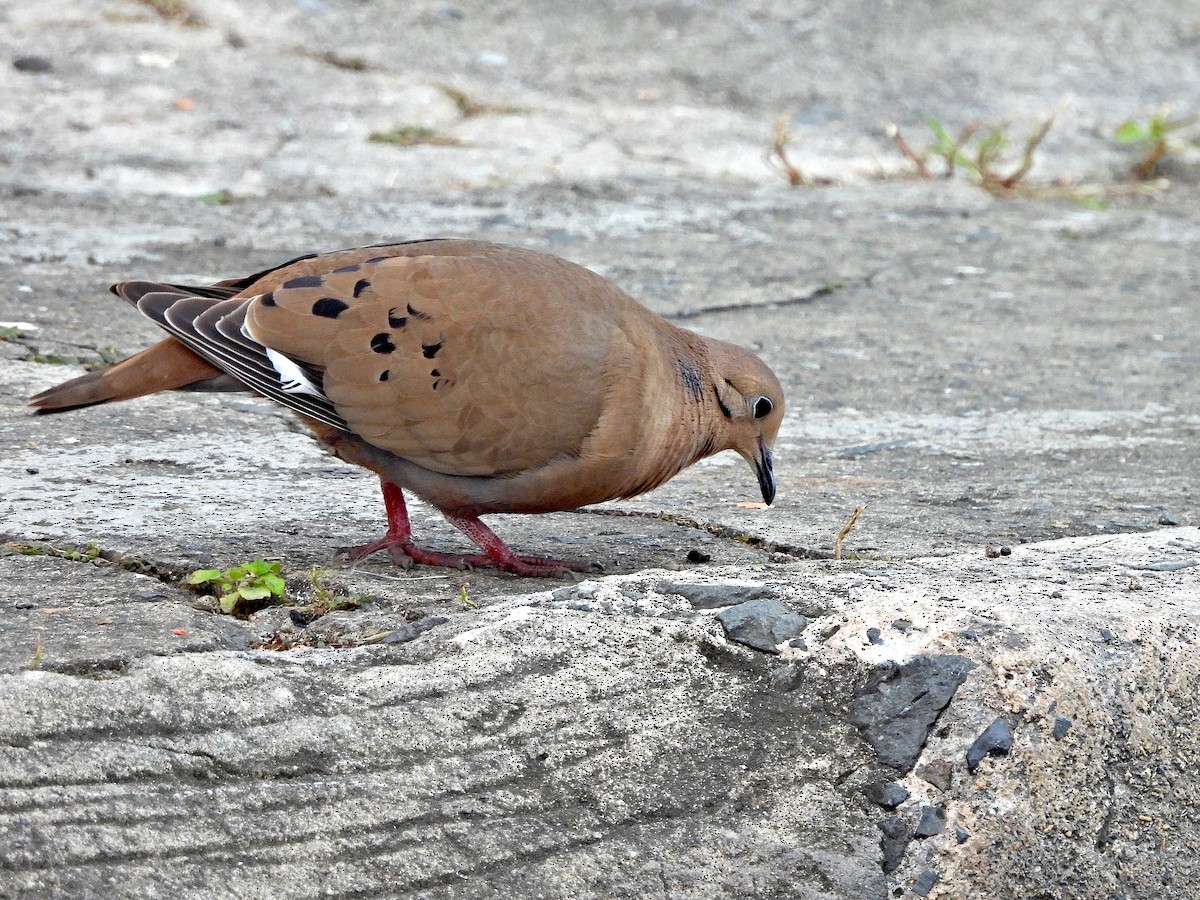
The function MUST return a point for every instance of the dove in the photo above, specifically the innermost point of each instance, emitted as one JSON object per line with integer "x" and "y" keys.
{"x": 480, "y": 377}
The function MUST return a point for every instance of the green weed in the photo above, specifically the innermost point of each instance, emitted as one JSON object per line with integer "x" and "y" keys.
{"x": 1158, "y": 137}
{"x": 242, "y": 589}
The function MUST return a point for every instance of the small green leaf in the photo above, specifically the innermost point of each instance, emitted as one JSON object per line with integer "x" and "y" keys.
{"x": 1131, "y": 133}
{"x": 204, "y": 576}
{"x": 235, "y": 573}
{"x": 274, "y": 584}
{"x": 228, "y": 602}
{"x": 254, "y": 592}
{"x": 939, "y": 132}
{"x": 258, "y": 567}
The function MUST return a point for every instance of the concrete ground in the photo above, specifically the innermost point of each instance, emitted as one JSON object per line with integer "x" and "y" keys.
{"x": 983, "y": 374}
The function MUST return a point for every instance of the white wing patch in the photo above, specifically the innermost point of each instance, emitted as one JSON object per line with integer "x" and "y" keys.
{"x": 291, "y": 376}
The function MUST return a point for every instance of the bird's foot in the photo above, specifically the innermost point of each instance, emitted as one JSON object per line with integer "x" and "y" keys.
{"x": 405, "y": 553}
{"x": 538, "y": 566}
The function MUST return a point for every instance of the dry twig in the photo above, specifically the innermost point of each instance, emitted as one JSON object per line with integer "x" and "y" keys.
{"x": 841, "y": 535}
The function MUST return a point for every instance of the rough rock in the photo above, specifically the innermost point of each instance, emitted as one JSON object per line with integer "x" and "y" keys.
{"x": 887, "y": 794}
{"x": 761, "y": 624}
{"x": 932, "y": 821}
{"x": 901, "y": 702}
{"x": 715, "y": 595}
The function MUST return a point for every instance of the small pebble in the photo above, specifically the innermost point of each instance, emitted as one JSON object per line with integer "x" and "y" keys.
{"x": 698, "y": 556}
{"x": 996, "y": 740}
{"x": 1006, "y": 551}
{"x": 924, "y": 883}
{"x": 1106, "y": 634}
{"x": 1061, "y": 727}
{"x": 1168, "y": 519}
{"x": 33, "y": 64}
{"x": 887, "y": 794}
{"x": 933, "y": 821}
{"x": 1056, "y": 595}
{"x": 961, "y": 834}
{"x": 32, "y": 470}
{"x": 875, "y": 636}
{"x": 904, "y": 626}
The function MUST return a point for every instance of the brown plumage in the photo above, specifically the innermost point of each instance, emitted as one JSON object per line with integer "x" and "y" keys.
{"x": 482, "y": 378}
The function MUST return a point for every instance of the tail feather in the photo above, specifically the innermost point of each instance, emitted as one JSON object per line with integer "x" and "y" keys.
{"x": 164, "y": 366}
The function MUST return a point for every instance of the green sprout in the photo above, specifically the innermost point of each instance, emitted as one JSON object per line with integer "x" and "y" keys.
{"x": 242, "y": 589}
{"x": 980, "y": 159}
{"x": 464, "y": 598}
{"x": 1158, "y": 135}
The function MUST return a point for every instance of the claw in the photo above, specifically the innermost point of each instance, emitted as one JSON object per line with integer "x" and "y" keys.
{"x": 496, "y": 554}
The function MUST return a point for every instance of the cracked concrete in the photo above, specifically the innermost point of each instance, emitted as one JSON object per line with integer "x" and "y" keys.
{"x": 982, "y": 375}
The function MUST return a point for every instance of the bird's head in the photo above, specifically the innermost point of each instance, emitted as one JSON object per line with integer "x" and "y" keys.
{"x": 750, "y": 400}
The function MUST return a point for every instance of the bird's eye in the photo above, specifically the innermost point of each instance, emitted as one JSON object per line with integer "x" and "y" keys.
{"x": 761, "y": 407}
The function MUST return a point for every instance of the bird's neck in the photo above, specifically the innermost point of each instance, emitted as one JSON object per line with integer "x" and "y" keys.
{"x": 690, "y": 409}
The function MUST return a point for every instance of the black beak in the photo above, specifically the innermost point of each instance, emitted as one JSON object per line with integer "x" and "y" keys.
{"x": 766, "y": 473}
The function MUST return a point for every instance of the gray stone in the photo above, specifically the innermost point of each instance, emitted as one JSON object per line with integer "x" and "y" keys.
{"x": 924, "y": 883}
{"x": 273, "y": 619}
{"x": 1061, "y": 727}
{"x": 996, "y": 740}
{"x": 761, "y": 624}
{"x": 897, "y": 835}
{"x": 887, "y": 794}
{"x": 715, "y": 594}
{"x": 939, "y": 772}
{"x": 932, "y": 821}
{"x": 900, "y": 704}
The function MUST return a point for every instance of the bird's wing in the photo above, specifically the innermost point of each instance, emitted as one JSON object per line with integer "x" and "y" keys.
{"x": 465, "y": 364}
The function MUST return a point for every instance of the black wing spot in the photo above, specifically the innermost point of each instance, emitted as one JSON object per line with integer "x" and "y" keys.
{"x": 429, "y": 351}
{"x": 361, "y": 285}
{"x": 382, "y": 343}
{"x": 394, "y": 320}
{"x": 417, "y": 314}
{"x": 267, "y": 299}
{"x": 435, "y": 373}
{"x": 353, "y": 267}
{"x": 385, "y": 375}
{"x": 329, "y": 307}
{"x": 304, "y": 281}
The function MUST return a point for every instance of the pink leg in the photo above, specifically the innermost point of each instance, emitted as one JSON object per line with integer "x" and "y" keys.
{"x": 501, "y": 556}
{"x": 399, "y": 544}
{"x": 398, "y": 540}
